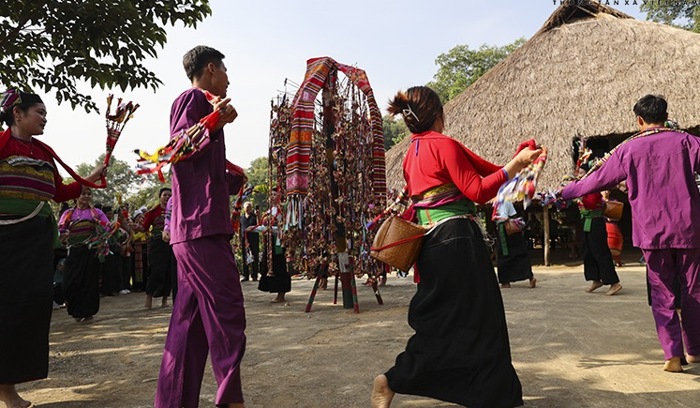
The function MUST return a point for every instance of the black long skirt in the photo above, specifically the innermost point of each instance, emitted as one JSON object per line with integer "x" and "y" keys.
{"x": 81, "y": 282}
{"x": 460, "y": 352}
{"x": 598, "y": 263}
{"x": 515, "y": 265}
{"x": 281, "y": 282}
{"x": 26, "y": 293}
{"x": 111, "y": 269}
{"x": 162, "y": 268}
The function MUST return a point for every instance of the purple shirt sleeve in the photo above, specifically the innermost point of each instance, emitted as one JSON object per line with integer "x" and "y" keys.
{"x": 607, "y": 176}
{"x": 63, "y": 221}
{"x": 186, "y": 112}
{"x": 104, "y": 221}
{"x": 663, "y": 196}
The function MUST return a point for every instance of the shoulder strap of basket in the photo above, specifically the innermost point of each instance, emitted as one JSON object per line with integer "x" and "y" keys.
{"x": 399, "y": 242}
{"x": 401, "y": 199}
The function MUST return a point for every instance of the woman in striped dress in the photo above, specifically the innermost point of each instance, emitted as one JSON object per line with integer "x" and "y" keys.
{"x": 28, "y": 180}
{"x": 81, "y": 228}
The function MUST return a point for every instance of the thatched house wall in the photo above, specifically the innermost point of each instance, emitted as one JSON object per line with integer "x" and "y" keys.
{"x": 579, "y": 76}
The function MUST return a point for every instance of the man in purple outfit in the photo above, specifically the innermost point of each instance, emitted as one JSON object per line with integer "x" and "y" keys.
{"x": 208, "y": 314}
{"x": 659, "y": 165}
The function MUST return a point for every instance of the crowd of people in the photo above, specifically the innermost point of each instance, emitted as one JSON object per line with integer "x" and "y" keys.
{"x": 107, "y": 252}
{"x": 181, "y": 248}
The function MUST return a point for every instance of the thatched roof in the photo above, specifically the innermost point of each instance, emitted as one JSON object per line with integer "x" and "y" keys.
{"x": 579, "y": 76}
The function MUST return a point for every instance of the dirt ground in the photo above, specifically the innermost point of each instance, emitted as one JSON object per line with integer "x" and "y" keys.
{"x": 570, "y": 349}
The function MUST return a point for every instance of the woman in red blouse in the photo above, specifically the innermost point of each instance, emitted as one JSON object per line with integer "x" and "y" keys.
{"x": 460, "y": 351}
{"x": 28, "y": 180}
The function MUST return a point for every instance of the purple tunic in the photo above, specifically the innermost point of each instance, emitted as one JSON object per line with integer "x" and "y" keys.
{"x": 660, "y": 172}
{"x": 200, "y": 184}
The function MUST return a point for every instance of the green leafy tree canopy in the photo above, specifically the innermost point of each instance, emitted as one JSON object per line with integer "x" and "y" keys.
{"x": 461, "y": 66}
{"x": 121, "y": 180}
{"x": 258, "y": 177}
{"x": 683, "y": 14}
{"x": 146, "y": 194}
{"x": 394, "y": 131}
{"x": 54, "y": 44}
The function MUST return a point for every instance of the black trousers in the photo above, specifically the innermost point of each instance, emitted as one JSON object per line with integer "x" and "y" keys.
{"x": 250, "y": 270}
{"x": 162, "y": 269}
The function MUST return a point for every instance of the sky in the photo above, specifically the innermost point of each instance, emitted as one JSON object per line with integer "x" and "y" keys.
{"x": 265, "y": 41}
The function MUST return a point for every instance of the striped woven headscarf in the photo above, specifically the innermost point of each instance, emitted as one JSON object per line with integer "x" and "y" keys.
{"x": 318, "y": 71}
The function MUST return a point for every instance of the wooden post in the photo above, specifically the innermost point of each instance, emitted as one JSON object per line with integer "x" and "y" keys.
{"x": 313, "y": 295}
{"x": 545, "y": 223}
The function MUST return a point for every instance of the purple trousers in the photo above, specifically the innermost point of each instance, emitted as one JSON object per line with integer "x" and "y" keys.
{"x": 663, "y": 265}
{"x": 208, "y": 316}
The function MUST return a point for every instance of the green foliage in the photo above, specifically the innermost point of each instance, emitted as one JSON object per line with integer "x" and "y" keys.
{"x": 147, "y": 193}
{"x": 122, "y": 179}
{"x": 671, "y": 12}
{"x": 460, "y": 67}
{"x": 53, "y": 44}
{"x": 258, "y": 176}
{"x": 394, "y": 131}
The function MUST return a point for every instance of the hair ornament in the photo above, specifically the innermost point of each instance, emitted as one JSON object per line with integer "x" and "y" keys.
{"x": 408, "y": 111}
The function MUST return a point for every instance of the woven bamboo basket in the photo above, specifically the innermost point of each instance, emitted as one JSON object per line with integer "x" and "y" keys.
{"x": 398, "y": 243}
{"x": 513, "y": 227}
{"x": 613, "y": 210}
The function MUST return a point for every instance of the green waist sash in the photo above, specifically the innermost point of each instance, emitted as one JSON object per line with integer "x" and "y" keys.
{"x": 427, "y": 216}
{"x": 587, "y": 216}
{"x": 503, "y": 237}
{"x": 23, "y": 210}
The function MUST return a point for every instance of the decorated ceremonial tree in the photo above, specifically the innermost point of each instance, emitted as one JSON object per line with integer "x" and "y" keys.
{"x": 327, "y": 157}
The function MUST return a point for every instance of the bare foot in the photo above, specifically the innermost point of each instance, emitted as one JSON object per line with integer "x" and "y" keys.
{"x": 164, "y": 303}
{"x": 149, "y": 302}
{"x": 8, "y": 395}
{"x": 614, "y": 288}
{"x": 594, "y": 285}
{"x": 381, "y": 393}
{"x": 505, "y": 285}
{"x": 533, "y": 282}
{"x": 693, "y": 359}
{"x": 673, "y": 365}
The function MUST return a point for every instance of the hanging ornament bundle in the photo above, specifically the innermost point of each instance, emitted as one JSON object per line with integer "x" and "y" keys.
{"x": 115, "y": 123}
{"x": 280, "y": 125}
{"x": 523, "y": 186}
{"x": 180, "y": 147}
